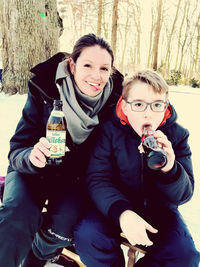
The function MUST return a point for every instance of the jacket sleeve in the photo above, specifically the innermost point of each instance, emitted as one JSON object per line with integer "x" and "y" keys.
{"x": 177, "y": 186}
{"x": 27, "y": 134}
{"x": 100, "y": 177}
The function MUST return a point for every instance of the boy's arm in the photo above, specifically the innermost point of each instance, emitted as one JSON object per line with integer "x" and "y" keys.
{"x": 100, "y": 178}
{"x": 177, "y": 185}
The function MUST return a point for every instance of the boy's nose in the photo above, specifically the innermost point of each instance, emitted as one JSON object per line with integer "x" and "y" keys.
{"x": 148, "y": 111}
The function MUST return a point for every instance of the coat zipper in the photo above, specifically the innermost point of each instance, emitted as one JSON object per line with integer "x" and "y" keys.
{"x": 142, "y": 180}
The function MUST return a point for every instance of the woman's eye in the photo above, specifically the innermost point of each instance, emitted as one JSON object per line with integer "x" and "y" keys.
{"x": 87, "y": 65}
{"x": 104, "y": 69}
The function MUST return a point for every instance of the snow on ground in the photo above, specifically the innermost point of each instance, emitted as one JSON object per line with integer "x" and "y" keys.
{"x": 186, "y": 101}
{"x": 187, "y": 104}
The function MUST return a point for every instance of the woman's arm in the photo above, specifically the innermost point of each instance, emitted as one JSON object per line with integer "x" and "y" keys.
{"x": 28, "y": 132}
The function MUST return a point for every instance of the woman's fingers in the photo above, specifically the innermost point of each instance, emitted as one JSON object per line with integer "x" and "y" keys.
{"x": 39, "y": 153}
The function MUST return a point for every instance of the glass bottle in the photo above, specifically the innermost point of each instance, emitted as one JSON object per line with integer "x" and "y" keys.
{"x": 56, "y": 134}
{"x": 156, "y": 156}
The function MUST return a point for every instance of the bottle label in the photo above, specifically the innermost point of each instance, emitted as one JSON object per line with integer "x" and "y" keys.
{"x": 57, "y": 141}
{"x": 57, "y": 113}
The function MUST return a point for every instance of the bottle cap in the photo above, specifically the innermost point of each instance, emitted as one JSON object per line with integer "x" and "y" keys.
{"x": 57, "y": 102}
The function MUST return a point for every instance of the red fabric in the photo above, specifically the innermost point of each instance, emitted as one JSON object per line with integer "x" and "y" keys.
{"x": 168, "y": 113}
{"x": 120, "y": 114}
{"x": 124, "y": 120}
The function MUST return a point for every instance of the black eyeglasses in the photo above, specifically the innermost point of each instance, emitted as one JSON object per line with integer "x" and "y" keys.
{"x": 140, "y": 106}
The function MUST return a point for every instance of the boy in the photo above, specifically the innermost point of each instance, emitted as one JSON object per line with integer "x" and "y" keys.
{"x": 134, "y": 199}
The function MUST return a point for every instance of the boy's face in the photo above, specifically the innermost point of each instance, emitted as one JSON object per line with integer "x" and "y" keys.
{"x": 143, "y": 92}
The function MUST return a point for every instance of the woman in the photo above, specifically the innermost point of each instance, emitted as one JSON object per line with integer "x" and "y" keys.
{"x": 84, "y": 84}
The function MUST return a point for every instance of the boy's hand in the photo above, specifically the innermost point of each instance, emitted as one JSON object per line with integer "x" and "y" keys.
{"x": 134, "y": 228}
{"x": 167, "y": 147}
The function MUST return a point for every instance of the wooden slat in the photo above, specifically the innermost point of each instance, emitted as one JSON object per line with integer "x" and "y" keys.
{"x": 73, "y": 256}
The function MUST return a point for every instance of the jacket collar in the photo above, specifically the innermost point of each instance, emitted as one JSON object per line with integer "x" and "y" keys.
{"x": 45, "y": 75}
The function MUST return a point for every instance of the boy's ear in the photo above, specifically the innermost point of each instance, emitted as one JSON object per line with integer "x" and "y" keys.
{"x": 71, "y": 65}
{"x": 124, "y": 107}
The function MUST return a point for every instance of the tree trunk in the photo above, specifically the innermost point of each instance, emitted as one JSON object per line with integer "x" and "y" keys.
{"x": 125, "y": 37}
{"x": 197, "y": 48}
{"x": 149, "y": 62}
{"x": 99, "y": 22}
{"x": 179, "y": 35}
{"x": 167, "y": 56}
{"x": 30, "y": 35}
{"x": 187, "y": 28}
{"x": 157, "y": 35}
{"x": 114, "y": 27}
{"x": 136, "y": 17}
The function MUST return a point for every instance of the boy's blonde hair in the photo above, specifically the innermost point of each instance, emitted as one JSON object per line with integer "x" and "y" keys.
{"x": 147, "y": 76}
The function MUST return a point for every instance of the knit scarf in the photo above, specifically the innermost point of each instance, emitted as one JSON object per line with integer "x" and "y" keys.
{"x": 81, "y": 111}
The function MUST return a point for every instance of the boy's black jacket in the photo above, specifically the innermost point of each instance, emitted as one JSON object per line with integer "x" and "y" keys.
{"x": 32, "y": 125}
{"x": 118, "y": 177}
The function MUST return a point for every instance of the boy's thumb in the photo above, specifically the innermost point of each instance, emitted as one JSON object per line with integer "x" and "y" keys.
{"x": 151, "y": 229}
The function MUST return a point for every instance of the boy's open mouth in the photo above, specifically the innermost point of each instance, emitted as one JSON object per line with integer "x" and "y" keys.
{"x": 146, "y": 126}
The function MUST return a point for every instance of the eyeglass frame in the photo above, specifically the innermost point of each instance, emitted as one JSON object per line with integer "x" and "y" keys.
{"x": 147, "y": 104}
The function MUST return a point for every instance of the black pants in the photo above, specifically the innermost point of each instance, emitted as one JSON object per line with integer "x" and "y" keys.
{"x": 97, "y": 242}
{"x": 22, "y": 224}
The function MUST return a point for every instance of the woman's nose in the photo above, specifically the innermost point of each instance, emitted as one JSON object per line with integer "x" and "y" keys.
{"x": 96, "y": 75}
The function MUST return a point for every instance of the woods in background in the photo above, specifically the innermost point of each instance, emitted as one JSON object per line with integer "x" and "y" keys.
{"x": 30, "y": 34}
{"x": 158, "y": 34}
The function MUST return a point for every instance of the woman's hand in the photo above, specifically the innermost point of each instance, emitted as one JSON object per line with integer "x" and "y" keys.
{"x": 39, "y": 153}
{"x": 167, "y": 147}
{"x": 134, "y": 228}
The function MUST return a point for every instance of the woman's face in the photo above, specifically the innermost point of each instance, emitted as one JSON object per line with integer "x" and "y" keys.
{"x": 91, "y": 70}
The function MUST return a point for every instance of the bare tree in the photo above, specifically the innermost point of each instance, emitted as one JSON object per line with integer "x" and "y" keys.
{"x": 183, "y": 43}
{"x": 180, "y": 34}
{"x": 150, "y": 54}
{"x": 99, "y": 22}
{"x": 30, "y": 34}
{"x": 157, "y": 35}
{"x": 124, "y": 36}
{"x": 197, "y": 58}
{"x": 114, "y": 26}
{"x": 136, "y": 17}
{"x": 171, "y": 35}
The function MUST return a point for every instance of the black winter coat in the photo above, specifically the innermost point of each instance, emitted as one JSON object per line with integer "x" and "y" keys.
{"x": 118, "y": 177}
{"x": 32, "y": 125}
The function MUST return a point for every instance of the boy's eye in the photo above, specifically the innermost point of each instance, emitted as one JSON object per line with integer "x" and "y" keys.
{"x": 157, "y": 104}
{"x": 138, "y": 104}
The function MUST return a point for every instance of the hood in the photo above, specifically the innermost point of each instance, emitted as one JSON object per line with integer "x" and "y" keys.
{"x": 170, "y": 115}
{"x": 45, "y": 74}
{"x": 50, "y": 65}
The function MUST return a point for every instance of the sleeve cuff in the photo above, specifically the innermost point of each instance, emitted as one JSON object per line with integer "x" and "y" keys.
{"x": 117, "y": 209}
{"x": 170, "y": 176}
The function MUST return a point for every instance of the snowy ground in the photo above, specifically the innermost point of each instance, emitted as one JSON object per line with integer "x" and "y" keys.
{"x": 187, "y": 103}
